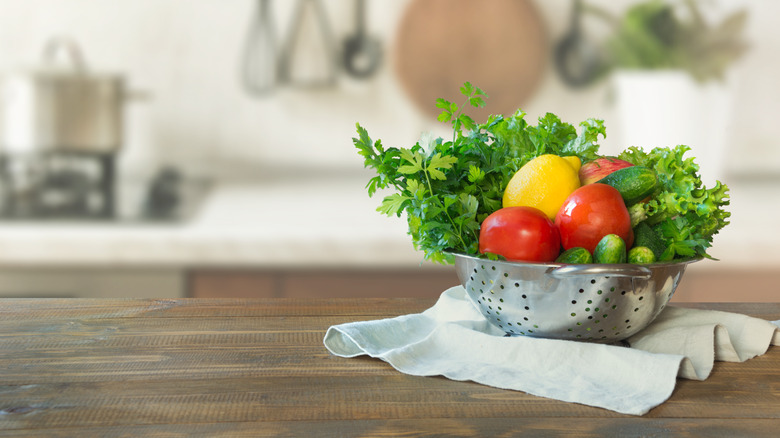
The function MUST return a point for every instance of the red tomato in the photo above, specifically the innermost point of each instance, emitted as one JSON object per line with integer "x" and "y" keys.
{"x": 590, "y": 213}
{"x": 521, "y": 234}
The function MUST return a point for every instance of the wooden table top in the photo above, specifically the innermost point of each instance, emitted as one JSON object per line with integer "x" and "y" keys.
{"x": 229, "y": 367}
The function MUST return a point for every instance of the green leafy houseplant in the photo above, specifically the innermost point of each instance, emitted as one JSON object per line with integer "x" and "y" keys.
{"x": 658, "y": 34}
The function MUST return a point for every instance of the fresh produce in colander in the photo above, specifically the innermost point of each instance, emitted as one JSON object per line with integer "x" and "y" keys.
{"x": 448, "y": 187}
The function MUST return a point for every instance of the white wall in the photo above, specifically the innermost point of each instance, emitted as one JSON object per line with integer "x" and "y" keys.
{"x": 186, "y": 53}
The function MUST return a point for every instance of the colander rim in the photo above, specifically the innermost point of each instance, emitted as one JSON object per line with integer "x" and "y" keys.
{"x": 674, "y": 263}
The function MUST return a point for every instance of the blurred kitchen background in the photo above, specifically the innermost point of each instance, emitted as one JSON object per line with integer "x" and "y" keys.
{"x": 171, "y": 148}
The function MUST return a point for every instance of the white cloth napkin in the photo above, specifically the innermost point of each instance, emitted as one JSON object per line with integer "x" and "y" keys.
{"x": 452, "y": 339}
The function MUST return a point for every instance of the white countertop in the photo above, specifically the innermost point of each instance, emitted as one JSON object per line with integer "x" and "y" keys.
{"x": 327, "y": 222}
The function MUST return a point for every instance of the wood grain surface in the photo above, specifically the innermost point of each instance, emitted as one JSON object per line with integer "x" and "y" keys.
{"x": 254, "y": 368}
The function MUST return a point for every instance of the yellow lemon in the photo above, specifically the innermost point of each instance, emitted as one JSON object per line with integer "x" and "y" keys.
{"x": 544, "y": 182}
{"x": 574, "y": 162}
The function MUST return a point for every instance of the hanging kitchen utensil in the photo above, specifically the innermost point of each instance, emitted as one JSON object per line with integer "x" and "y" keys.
{"x": 259, "y": 73}
{"x": 308, "y": 57}
{"x": 499, "y": 46}
{"x": 577, "y": 60}
{"x": 362, "y": 53}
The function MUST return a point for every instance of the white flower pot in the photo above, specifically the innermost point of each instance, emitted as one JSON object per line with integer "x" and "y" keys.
{"x": 667, "y": 108}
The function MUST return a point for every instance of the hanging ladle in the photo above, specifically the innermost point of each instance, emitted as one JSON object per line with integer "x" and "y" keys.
{"x": 362, "y": 53}
{"x": 576, "y": 59}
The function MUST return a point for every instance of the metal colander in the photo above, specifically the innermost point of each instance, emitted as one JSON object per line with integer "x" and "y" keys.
{"x": 591, "y": 302}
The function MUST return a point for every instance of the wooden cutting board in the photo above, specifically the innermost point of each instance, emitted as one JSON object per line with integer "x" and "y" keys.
{"x": 500, "y": 46}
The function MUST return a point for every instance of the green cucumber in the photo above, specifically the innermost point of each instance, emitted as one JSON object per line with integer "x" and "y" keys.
{"x": 634, "y": 183}
{"x": 610, "y": 249}
{"x": 645, "y": 235}
{"x": 575, "y": 256}
{"x": 641, "y": 255}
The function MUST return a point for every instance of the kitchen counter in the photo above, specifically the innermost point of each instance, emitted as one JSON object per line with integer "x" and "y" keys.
{"x": 326, "y": 221}
{"x": 227, "y": 367}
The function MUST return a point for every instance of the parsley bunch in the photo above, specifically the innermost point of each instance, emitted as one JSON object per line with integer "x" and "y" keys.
{"x": 447, "y": 188}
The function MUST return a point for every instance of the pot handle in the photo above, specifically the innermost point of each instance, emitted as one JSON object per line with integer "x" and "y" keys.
{"x": 71, "y": 50}
{"x": 616, "y": 270}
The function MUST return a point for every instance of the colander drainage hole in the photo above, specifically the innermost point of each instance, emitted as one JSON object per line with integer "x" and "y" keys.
{"x": 593, "y": 281}
{"x": 582, "y": 290}
{"x": 640, "y": 298}
{"x": 524, "y": 297}
{"x": 574, "y": 301}
{"x": 527, "y": 308}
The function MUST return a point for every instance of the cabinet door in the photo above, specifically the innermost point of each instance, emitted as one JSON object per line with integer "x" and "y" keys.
{"x": 327, "y": 283}
{"x": 361, "y": 284}
{"x": 233, "y": 284}
{"x": 728, "y": 285}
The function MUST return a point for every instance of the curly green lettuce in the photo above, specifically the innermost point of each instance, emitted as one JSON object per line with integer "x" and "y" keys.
{"x": 681, "y": 210}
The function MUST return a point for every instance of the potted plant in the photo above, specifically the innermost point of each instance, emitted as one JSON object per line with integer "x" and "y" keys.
{"x": 670, "y": 68}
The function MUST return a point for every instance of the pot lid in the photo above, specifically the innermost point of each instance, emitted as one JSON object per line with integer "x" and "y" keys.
{"x": 63, "y": 59}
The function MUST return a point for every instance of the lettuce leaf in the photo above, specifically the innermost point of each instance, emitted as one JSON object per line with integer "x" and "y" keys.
{"x": 682, "y": 210}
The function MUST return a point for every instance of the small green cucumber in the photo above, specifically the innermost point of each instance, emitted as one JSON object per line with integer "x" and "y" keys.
{"x": 610, "y": 249}
{"x": 641, "y": 255}
{"x": 634, "y": 183}
{"x": 575, "y": 256}
{"x": 645, "y": 235}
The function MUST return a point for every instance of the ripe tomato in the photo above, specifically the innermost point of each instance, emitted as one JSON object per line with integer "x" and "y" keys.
{"x": 590, "y": 213}
{"x": 521, "y": 234}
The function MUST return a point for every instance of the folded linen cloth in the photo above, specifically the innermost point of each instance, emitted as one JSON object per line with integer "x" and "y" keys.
{"x": 454, "y": 340}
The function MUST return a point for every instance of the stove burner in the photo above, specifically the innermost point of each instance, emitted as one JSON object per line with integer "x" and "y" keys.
{"x": 58, "y": 185}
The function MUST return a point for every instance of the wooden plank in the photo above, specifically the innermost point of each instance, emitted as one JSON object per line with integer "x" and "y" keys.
{"x": 25, "y": 308}
{"x": 449, "y": 427}
{"x": 94, "y": 404}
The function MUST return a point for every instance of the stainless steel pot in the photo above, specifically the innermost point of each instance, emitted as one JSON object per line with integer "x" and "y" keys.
{"x": 63, "y": 108}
